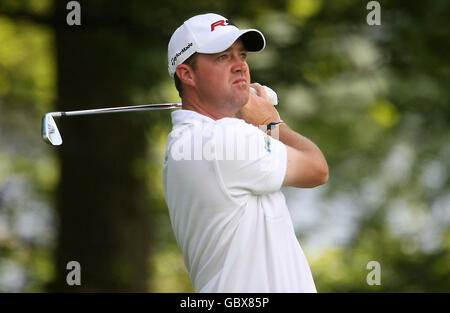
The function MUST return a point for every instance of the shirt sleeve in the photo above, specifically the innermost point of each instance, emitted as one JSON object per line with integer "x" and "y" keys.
{"x": 250, "y": 160}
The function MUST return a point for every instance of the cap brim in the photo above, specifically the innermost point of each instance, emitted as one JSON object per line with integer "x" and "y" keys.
{"x": 252, "y": 39}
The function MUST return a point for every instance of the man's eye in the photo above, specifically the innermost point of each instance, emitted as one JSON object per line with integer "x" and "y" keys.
{"x": 223, "y": 57}
{"x": 244, "y": 55}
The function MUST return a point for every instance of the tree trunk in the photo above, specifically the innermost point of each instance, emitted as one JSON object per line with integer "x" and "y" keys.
{"x": 102, "y": 202}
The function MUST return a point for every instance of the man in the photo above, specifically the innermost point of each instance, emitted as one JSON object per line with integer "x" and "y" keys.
{"x": 222, "y": 175}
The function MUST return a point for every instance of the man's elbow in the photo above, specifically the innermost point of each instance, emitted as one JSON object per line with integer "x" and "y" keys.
{"x": 309, "y": 175}
{"x": 322, "y": 174}
{"x": 325, "y": 175}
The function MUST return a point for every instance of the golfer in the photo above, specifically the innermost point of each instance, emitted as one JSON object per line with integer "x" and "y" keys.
{"x": 224, "y": 167}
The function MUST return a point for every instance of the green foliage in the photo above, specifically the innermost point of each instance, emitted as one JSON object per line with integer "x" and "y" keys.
{"x": 27, "y": 174}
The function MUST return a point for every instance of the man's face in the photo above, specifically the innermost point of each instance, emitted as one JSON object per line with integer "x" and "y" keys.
{"x": 222, "y": 79}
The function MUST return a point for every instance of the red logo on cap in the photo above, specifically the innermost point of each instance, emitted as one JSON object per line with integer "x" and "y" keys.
{"x": 220, "y": 23}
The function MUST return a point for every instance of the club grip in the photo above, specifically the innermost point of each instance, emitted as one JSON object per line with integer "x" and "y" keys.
{"x": 273, "y": 97}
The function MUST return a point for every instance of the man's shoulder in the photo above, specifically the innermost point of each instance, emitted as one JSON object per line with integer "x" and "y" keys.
{"x": 237, "y": 125}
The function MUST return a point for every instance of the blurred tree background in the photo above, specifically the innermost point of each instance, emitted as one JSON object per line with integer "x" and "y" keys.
{"x": 374, "y": 98}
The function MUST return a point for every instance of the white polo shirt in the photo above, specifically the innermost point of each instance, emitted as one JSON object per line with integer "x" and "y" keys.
{"x": 222, "y": 183}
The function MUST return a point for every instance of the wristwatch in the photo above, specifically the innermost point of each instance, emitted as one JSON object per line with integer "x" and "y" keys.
{"x": 271, "y": 125}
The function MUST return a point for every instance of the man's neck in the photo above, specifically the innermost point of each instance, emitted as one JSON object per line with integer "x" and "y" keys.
{"x": 204, "y": 110}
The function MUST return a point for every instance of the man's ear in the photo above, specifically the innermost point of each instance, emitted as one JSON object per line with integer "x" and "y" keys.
{"x": 185, "y": 74}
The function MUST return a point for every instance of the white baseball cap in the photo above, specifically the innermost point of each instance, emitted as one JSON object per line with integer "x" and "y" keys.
{"x": 209, "y": 33}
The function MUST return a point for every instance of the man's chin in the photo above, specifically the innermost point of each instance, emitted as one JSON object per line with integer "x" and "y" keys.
{"x": 241, "y": 101}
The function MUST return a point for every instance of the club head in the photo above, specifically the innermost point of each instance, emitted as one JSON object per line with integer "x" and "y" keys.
{"x": 50, "y": 132}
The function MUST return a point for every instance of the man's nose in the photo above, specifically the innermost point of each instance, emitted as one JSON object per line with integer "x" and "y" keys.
{"x": 240, "y": 65}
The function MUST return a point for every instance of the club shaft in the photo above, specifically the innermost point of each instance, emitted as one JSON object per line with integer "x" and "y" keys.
{"x": 145, "y": 107}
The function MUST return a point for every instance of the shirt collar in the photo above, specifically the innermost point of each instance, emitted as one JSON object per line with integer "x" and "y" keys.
{"x": 188, "y": 116}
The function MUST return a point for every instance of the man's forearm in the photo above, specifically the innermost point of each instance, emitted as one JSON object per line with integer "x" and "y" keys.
{"x": 306, "y": 163}
{"x": 295, "y": 140}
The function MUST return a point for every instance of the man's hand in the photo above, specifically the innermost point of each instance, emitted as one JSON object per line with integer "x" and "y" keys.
{"x": 258, "y": 110}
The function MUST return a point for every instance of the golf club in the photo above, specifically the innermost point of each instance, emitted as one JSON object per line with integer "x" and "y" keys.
{"x": 51, "y": 134}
